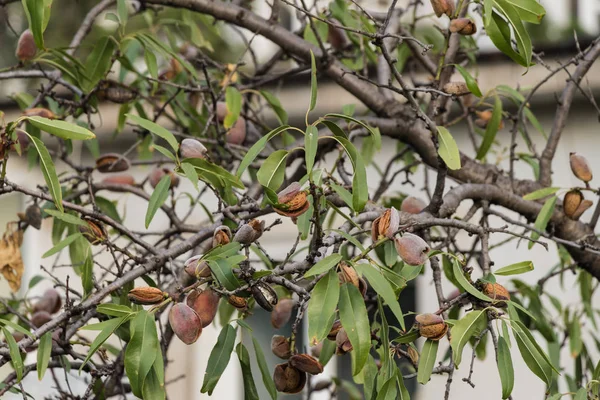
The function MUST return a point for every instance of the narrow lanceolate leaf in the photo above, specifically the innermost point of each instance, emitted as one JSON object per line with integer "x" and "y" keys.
{"x": 324, "y": 265}
{"x": 469, "y": 80}
{"x": 155, "y": 129}
{"x": 575, "y": 342}
{"x": 543, "y": 218}
{"x": 427, "y": 360}
{"x": 541, "y": 193}
{"x": 529, "y": 10}
{"x": 114, "y": 310}
{"x": 99, "y": 61}
{"x": 142, "y": 350}
{"x": 219, "y": 358}
{"x": 62, "y": 244}
{"x": 465, "y": 284}
{"x": 311, "y": 144}
{"x": 535, "y": 359}
{"x": 43, "y": 355}
{"x": 87, "y": 275}
{"x": 68, "y": 218}
{"x": 159, "y": 196}
{"x": 34, "y": 10}
{"x": 383, "y": 288}
{"x": 272, "y": 172}
{"x": 491, "y": 129}
{"x": 250, "y": 392}
{"x": 222, "y": 270}
{"x": 49, "y": 172}
{"x": 276, "y": 106}
{"x": 448, "y": 149}
{"x": 321, "y": 306}
{"x": 581, "y": 394}
{"x": 313, "y": 82}
{"x": 61, "y": 129}
{"x": 190, "y": 173}
{"x": 388, "y": 390}
{"x": 498, "y": 31}
{"x": 264, "y": 369}
{"x": 107, "y": 328}
{"x": 505, "y": 368}
{"x": 15, "y": 353}
{"x": 257, "y": 148}
{"x": 468, "y": 326}
{"x": 355, "y": 320}
{"x": 233, "y": 100}
{"x": 153, "y": 389}
{"x": 520, "y": 33}
{"x": 375, "y": 134}
{"x": 515, "y": 269}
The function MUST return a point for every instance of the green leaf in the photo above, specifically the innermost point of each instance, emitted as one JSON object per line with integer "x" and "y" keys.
{"x": 469, "y": 80}
{"x": 343, "y": 193}
{"x": 311, "y": 145}
{"x": 324, "y": 265}
{"x": 322, "y": 305}
{"x": 165, "y": 152}
{"x": 191, "y": 173}
{"x": 264, "y": 369}
{"x": 515, "y": 269}
{"x": 207, "y": 169}
{"x": 520, "y": 33}
{"x": 15, "y": 353}
{"x": 499, "y": 32}
{"x": 218, "y": 359}
{"x": 68, "y": 218}
{"x": 473, "y": 323}
{"x": 427, "y": 360}
{"x": 62, "y": 244}
{"x": 313, "y": 82}
{"x": 153, "y": 389}
{"x": 108, "y": 207}
{"x": 383, "y": 289}
{"x": 114, "y": 310}
{"x": 465, "y": 284}
{"x": 141, "y": 351}
{"x": 156, "y": 129}
{"x": 107, "y": 328}
{"x": 360, "y": 188}
{"x": 250, "y": 392}
{"x": 99, "y": 61}
{"x": 532, "y": 356}
{"x": 354, "y": 319}
{"x": 122, "y": 11}
{"x": 374, "y": 132}
{"x": 543, "y": 218}
{"x": 448, "y": 149}
{"x": 276, "y": 106}
{"x": 48, "y": 171}
{"x": 257, "y": 148}
{"x": 491, "y": 129}
{"x": 581, "y": 394}
{"x": 87, "y": 275}
{"x": 575, "y": 342}
{"x": 233, "y": 100}
{"x": 529, "y": 10}
{"x": 388, "y": 390}
{"x": 17, "y": 328}
{"x": 272, "y": 172}
{"x": 222, "y": 270}
{"x": 541, "y": 193}
{"x": 43, "y": 354}
{"x": 505, "y": 368}
{"x": 408, "y": 337}
{"x": 34, "y": 10}
{"x": 157, "y": 199}
{"x": 61, "y": 129}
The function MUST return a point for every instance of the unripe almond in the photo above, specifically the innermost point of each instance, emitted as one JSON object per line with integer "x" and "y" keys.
{"x": 412, "y": 249}
{"x": 49, "y": 302}
{"x": 205, "y": 303}
{"x": 497, "y": 293}
{"x": 335, "y": 328}
{"x": 463, "y": 26}
{"x": 157, "y": 174}
{"x": 39, "y": 112}
{"x": 306, "y": 363}
{"x": 431, "y": 326}
{"x": 33, "y": 216}
{"x": 282, "y": 313}
{"x": 456, "y": 88}
{"x": 288, "y": 379}
{"x": 572, "y": 200}
{"x": 123, "y": 179}
{"x": 146, "y": 295}
{"x": 412, "y": 205}
{"x": 115, "y": 92}
{"x": 337, "y": 38}
{"x": 280, "y": 346}
{"x": 249, "y": 232}
{"x": 185, "y": 323}
{"x": 39, "y": 318}
{"x": 221, "y": 236}
{"x": 26, "y": 48}
{"x": 93, "y": 232}
{"x": 192, "y": 148}
{"x": 196, "y": 267}
{"x": 265, "y": 295}
{"x": 237, "y": 133}
{"x": 585, "y": 204}
{"x": 441, "y": 7}
{"x": 112, "y": 162}
{"x": 580, "y": 167}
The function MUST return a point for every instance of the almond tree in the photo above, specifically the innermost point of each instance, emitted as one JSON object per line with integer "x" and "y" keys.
{"x": 197, "y": 119}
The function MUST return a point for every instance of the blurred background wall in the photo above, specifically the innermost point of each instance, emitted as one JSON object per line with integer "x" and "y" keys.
{"x": 555, "y": 37}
